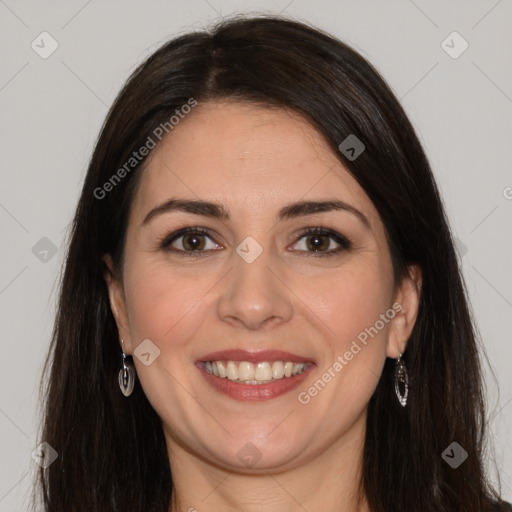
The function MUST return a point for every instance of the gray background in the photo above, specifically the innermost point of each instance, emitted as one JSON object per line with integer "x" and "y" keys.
{"x": 52, "y": 110}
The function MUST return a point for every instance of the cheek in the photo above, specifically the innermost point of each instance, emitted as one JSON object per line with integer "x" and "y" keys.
{"x": 348, "y": 302}
{"x": 351, "y": 306}
{"x": 166, "y": 309}
{"x": 161, "y": 305}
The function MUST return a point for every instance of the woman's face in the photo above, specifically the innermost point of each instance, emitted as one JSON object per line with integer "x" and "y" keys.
{"x": 251, "y": 282}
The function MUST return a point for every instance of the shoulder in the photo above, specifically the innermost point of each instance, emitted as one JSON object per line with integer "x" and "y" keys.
{"x": 502, "y": 506}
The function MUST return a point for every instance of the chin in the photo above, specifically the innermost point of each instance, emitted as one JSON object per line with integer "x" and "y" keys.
{"x": 254, "y": 454}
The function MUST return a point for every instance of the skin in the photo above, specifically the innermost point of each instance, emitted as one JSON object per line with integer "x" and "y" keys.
{"x": 254, "y": 160}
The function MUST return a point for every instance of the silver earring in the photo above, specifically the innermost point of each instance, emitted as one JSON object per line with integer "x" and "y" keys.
{"x": 401, "y": 379}
{"x": 126, "y": 376}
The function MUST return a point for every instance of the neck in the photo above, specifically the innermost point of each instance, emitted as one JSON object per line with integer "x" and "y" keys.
{"x": 328, "y": 481}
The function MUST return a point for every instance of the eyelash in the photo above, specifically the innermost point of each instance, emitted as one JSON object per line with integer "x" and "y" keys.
{"x": 344, "y": 243}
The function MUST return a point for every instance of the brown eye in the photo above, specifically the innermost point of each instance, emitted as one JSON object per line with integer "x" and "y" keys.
{"x": 322, "y": 241}
{"x": 317, "y": 242}
{"x": 195, "y": 241}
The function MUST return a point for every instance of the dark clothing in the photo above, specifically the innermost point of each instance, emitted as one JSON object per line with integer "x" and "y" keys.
{"x": 502, "y": 507}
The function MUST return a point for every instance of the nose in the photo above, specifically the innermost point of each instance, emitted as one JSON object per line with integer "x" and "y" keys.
{"x": 254, "y": 295}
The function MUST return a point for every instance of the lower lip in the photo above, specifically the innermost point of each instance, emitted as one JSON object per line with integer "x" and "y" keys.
{"x": 254, "y": 392}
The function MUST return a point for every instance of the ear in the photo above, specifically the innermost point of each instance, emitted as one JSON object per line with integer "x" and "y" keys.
{"x": 117, "y": 303}
{"x": 407, "y": 299}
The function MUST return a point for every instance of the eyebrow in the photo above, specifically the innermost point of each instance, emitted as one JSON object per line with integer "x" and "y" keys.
{"x": 217, "y": 211}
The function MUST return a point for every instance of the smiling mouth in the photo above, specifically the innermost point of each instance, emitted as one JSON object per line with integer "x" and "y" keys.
{"x": 263, "y": 372}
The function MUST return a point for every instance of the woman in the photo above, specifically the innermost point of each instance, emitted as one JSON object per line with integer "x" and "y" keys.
{"x": 262, "y": 308}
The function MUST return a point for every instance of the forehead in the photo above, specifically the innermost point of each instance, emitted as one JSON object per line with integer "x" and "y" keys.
{"x": 251, "y": 158}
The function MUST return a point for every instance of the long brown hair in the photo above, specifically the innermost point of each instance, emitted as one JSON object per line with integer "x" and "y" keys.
{"x": 112, "y": 452}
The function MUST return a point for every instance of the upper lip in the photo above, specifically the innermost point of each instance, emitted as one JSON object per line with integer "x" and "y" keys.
{"x": 253, "y": 356}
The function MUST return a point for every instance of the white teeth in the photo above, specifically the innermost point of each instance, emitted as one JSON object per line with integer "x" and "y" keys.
{"x": 278, "y": 370}
{"x": 263, "y": 371}
{"x": 249, "y": 373}
{"x": 246, "y": 371}
{"x": 221, "y": 368}
{"x": 232, "y": 371}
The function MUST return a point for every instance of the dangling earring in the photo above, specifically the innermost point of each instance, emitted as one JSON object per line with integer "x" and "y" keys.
{"x": 126, "y": 376}
{"x": 401, "y": 378}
